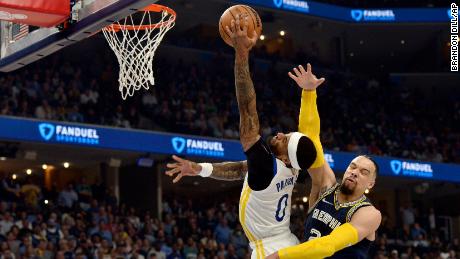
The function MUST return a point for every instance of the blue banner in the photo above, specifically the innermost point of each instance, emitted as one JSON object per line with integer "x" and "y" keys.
{"x": 117, "y": 138}
{"x": 397, "y": 167}
{"x": 356, "y": 15}
{"x": 20, "y": 129}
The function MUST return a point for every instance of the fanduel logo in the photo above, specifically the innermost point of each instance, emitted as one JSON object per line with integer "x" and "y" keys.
{"x": 69, "y": 134}
{"x": 297, "y": 5}
{"x": 178, "y": 144}
{"x": 372, "y": 15}
{"x": 329, "y": 159}
{"x": 198, "y": 147}
{"x": 411, "y": 168}
{"x": 279, "y": 3}
{"x": 46, "y": 130}
{"x": 395, "y": 166}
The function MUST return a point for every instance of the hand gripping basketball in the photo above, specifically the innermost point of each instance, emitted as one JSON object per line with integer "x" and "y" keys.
{"x": 242, "y": 11}
{"x": 238, "y": 32}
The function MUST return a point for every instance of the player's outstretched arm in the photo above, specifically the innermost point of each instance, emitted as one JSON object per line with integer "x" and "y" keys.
{"x": 309, "y": 121}
{"x": 226, "y": 171}
{"x": 363, "y": 224}
{"x": 309, "y": 124}
{"x": 245, "y": 92}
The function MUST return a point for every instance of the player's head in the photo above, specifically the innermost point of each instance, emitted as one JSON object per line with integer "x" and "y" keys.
{"x": 294, "y": 149}
{"x": 359, "y": 176}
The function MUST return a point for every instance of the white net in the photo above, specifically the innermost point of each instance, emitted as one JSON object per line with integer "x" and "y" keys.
{"x": 135, "y": 48}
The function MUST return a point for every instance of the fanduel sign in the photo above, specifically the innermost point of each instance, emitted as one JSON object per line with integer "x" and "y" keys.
{"x": 198, "y": 147}
{"x": 372, "y": 15}
{"x": 295, "y": 5}
{"x": 70, "y": 134}
{"x": 411, "y": 168}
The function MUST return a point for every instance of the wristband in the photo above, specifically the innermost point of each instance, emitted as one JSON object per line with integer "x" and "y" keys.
{"x": 206, "y": 169}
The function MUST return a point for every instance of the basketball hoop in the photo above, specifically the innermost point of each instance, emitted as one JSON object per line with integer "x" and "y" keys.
{"x": 135, "y": 45}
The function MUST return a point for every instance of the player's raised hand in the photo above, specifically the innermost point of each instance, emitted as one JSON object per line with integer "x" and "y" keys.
{"x": 306, "y": 79}
{"x": 182, "y": 167}
{"x": 238, "y": 32}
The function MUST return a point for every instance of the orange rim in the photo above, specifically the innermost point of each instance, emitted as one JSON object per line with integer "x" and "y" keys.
{"x": 151, "y": 8}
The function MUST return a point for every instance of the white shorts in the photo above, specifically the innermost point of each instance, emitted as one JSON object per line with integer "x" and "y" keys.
{"x": 267, "y": 246}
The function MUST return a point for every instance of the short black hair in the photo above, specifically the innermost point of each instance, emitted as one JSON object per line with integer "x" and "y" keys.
{"x": 375, "y": 164}
{"x": 306, "y": 153}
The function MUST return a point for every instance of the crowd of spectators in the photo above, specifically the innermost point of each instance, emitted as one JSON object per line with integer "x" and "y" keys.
{"x": 362, "y": 115}
{"x": 85, "y": 221}
{"x": 415, "y": 235}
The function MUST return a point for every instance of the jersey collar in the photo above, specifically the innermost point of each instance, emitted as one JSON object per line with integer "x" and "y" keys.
{"x": 338, "y": 205}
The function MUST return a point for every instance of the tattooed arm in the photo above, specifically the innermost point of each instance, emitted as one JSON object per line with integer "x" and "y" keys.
{"x": 245, "y": 93}
{"x": 262, "y": 164}
{"x": 229, "y": 171}
{"x": 249, "y": 121}
{"x": 226, "y": 171}
{"x": 246, "y": 97}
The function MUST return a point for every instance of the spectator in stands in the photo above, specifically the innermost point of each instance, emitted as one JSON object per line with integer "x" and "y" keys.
{"x": 44, "y": 111}
{"x": 190, "y": 249}
{"x": 239, "y": 241}
{"x": 157, "y": 251}
{"x": 408, "y": 214}
{"x": 68, "y": 197}
{"x": 175, "y": 254}
{"x": 84, "y": 192}
{"x": 31, "y": 193}
{"x": 22, "y": 221}
{"x": 417, "y": 232}
{"x": 231, "y": 253}
{"x": 222, "y": 232}
{"x": 9, "y": 190}
{"x": 6, "y": 222}
{"x": 74, "y": 115}
{"x": 110, "y": 198}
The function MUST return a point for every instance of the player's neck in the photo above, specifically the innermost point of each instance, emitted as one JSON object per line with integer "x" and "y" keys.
{"x": 344, "y": 198}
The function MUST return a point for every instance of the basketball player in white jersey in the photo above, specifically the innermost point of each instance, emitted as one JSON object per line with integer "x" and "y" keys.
{"x": 273, "y": 169}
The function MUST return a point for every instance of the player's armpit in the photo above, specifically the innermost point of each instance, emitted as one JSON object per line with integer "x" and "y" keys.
{"x": 366, "y": 220}
{"x": 328, "y": 177}
{"x": 323, "y": 178}
{"x": 229, "y": 171}
{"x": 344, "y": 236}
{"x": 261, "y": 165}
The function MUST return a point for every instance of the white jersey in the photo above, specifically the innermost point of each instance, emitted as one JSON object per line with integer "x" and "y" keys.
{"x": 265, "y": 215}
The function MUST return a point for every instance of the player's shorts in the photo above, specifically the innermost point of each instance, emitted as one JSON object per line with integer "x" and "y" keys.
{"x": 267, "y": 246}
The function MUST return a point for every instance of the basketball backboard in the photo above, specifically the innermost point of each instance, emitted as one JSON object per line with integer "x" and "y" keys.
{"x": 20, "y": 47}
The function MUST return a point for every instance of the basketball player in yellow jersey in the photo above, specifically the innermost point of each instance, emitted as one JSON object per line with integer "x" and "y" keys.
{"x": 341, "y": 221}
{"x": 272, "y": 169}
